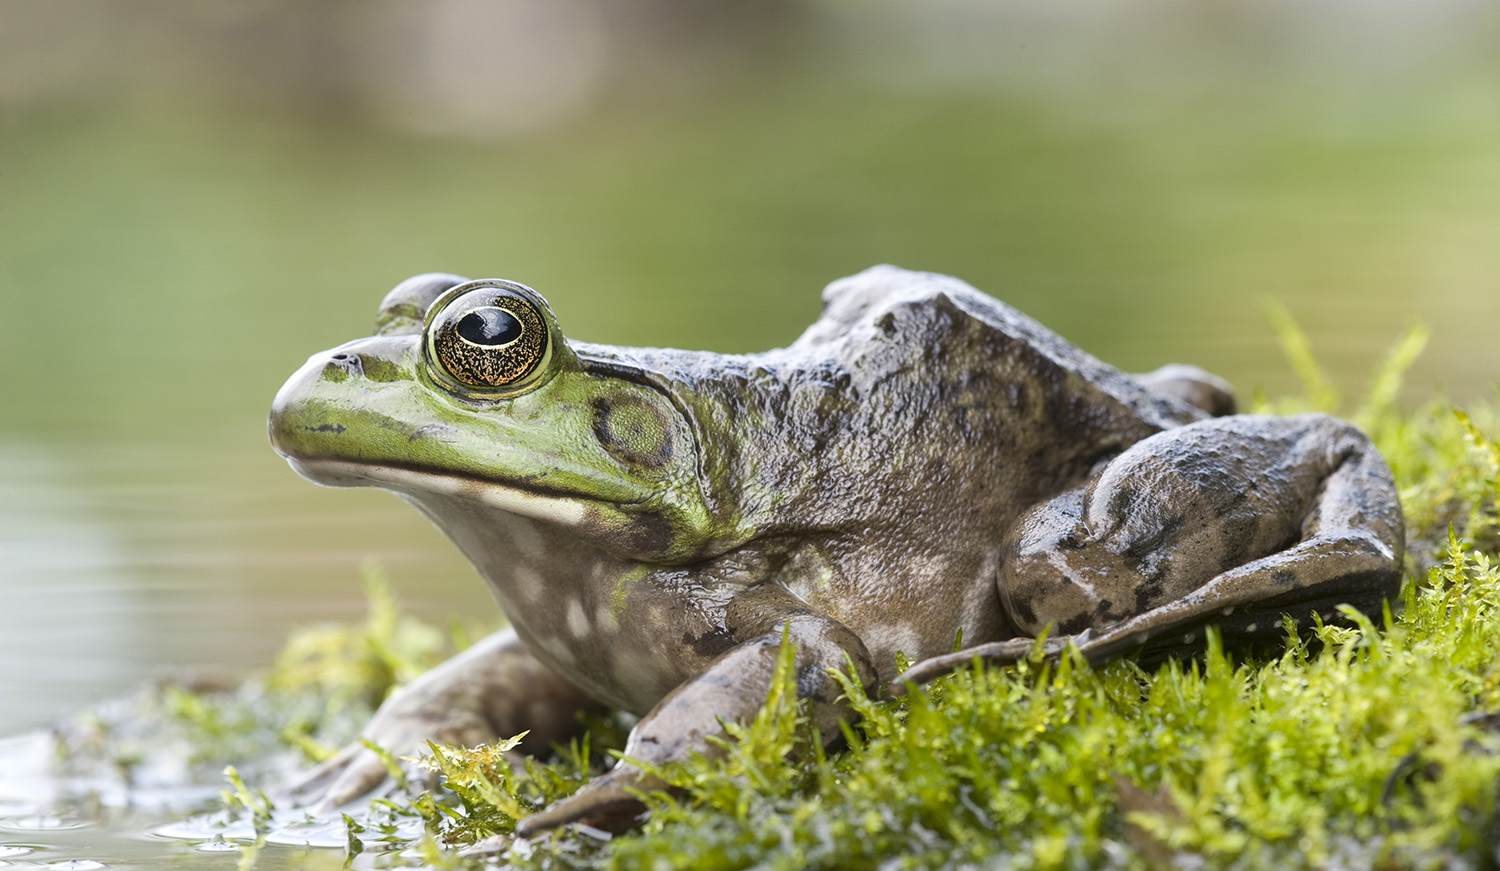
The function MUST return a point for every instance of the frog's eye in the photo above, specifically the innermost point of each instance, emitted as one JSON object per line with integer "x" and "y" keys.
{"x": 488, "y": 339}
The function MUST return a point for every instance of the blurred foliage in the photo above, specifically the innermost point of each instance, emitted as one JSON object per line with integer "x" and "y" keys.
{"x": 168, "y": 255}
{"x": 359, "y": 665}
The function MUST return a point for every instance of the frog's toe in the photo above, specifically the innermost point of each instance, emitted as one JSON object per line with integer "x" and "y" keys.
{"x": 1007, "y": 652}
{"x": 315, "y": 781}
{"x": 336, "y": 776}
{"x": 1200, "y": 389}
{"x": 354, "y": 772}
{"x": 488, "y": 848}
{"x": 365, "y": 774}
{"x": 610, "y": 802}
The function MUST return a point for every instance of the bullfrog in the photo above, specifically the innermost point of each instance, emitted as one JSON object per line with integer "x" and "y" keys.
{"x": 923, "y": 464}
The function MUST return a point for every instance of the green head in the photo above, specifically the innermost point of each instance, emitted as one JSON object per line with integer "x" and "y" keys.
{"x": 469, "y": 392}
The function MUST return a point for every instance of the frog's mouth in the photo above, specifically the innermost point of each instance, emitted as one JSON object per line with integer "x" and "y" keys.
{"x": 534, "y": 500}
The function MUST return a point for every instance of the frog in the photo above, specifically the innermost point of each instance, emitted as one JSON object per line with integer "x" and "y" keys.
{"x": 923, "y": 465}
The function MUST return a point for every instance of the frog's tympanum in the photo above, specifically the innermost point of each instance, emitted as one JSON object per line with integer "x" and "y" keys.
{"x": 923, "y": 462}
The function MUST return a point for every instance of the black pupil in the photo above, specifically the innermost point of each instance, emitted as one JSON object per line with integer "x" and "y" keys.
{"x": 489, "y": 326}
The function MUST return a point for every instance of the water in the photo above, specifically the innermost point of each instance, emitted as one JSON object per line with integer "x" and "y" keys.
{"x": 66, "y": 826}
{"x": 169, "y": 255}
{"x": 110, "y": 553}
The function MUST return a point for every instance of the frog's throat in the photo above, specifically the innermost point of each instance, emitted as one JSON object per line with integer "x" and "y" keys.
{"x": 538, "y": 503}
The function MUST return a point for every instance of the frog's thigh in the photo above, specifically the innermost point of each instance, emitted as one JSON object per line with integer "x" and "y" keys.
{"x": 1249, "y": 514}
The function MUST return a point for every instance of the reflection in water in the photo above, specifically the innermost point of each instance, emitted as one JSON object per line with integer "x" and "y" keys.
{"x": 119, "y": 563}
{"x": 92, "y": 818}
{"x": 68, "y": 628}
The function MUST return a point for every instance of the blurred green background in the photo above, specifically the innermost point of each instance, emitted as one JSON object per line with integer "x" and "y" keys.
{"x": 194, "y": 197}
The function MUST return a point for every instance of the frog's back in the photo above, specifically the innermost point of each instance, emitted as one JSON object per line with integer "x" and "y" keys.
{"x": 909, "y": 340}
{"x": 927, "y": 310}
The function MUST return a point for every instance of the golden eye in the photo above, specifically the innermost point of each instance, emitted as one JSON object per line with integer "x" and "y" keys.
{"x": 489, "y": 338}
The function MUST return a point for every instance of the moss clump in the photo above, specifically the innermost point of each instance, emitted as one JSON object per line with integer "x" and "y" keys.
{"x": 1357, "y": 756}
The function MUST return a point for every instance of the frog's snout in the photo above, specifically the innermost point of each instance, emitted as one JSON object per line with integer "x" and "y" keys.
{"x": 288, "y": 408}
{"x": 312, "y": 405}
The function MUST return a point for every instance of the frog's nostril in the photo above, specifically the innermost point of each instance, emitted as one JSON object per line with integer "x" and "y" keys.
{"x": 350, "y": 364}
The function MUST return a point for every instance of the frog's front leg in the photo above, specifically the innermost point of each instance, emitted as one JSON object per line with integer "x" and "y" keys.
{"x": 731, "y": 689}
{"x": 1231, "y": 521}
{"x": 493, "y": 689}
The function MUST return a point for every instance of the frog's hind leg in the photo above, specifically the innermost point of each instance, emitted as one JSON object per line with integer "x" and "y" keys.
{"x": 1232, "y": 521}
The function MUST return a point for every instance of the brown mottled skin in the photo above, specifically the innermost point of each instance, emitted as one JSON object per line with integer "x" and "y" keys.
{"x": 923, "y": 461}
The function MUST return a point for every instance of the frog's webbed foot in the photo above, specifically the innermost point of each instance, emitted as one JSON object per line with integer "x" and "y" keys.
{"x": 494, "y": 689}
{"x": 414, "y": 716}
{"x": 1232, "y": 521}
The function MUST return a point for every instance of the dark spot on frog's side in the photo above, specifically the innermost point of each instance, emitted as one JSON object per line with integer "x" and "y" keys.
{"x": 1147, "y": 593}
{"x": 650, "y": 533}
{"x": 1073, "y": 625}
{"x": 1022, "y": 612}
{"x": 711, "y": 643}
{"x": 1072, "y": 541}
{"x": 335, "y": 428}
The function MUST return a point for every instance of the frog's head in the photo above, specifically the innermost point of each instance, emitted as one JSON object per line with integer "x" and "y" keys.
{"x": 469, "y": 392}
